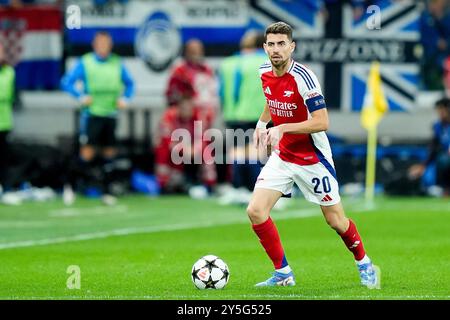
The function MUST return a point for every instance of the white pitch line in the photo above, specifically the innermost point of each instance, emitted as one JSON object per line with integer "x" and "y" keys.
{"x": 23, "y": 224}
{"x": 99, "y": 210}
{"x": 150, "y": 229}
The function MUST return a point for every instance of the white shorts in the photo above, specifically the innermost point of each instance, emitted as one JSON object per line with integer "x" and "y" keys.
{"x": 317, "y": 182}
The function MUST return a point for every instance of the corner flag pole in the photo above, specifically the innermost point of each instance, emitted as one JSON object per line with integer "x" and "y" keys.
{"x": 375, "y": 105}
{"x": 371, "y": 160}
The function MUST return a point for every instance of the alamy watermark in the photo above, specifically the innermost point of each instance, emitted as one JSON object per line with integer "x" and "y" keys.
{"x": 214, "y": 146}
{"x": 373, "y": 22}
{"x": 74, "y": 279}
{"x": 73, "y": 17}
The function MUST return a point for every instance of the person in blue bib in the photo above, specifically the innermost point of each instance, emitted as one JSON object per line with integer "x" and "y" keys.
{"x": 107, "y": 88}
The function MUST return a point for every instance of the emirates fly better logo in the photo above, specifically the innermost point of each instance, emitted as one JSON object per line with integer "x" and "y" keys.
{"x": 281, "y": 105}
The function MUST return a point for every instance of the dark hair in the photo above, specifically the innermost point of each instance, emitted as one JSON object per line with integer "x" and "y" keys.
{"x": 279, "y": 27}
{"x": 443, "y": 103}
{"x": 252, "y": 39}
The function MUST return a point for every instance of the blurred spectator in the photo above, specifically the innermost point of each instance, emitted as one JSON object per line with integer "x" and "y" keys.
{"x": 108, "y": 87}
{"x": 242, "y": 103}
{"x": 435, "y": 37}
{"x": 7, "y": 97}
{"x": 439, "y": 154}
{"x": 185, "y": 176}
{"x": 194, "y": 70}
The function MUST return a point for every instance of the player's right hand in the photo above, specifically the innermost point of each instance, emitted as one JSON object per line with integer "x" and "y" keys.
{"x": 259, "y": 137}
{"x": 86, "y": 101}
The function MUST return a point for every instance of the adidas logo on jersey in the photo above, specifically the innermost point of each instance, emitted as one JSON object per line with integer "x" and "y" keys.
{"x": 326, "y": 198}
{"x": 267, "y": 90}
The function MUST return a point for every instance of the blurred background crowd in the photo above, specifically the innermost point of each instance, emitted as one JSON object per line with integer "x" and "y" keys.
{"x": 91, "y": 92}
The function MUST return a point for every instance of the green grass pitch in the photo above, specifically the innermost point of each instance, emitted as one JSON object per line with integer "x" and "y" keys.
{"x": 144, "y": 248}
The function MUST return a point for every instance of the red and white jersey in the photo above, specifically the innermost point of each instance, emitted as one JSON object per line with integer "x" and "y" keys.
{"x": 292, "y": 98}
{"x": 202, "y": 79}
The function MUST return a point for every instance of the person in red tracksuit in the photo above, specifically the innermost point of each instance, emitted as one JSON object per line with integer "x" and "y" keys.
{"x": 193, "y": 70}
{"x": 189, "y": 119}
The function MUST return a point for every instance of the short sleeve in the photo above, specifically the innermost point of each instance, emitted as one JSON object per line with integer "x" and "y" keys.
{"x": 308, "y": 87}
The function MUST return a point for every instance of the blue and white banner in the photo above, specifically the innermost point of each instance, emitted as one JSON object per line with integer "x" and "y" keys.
{"x": 304, "y": 16}
{"x": 400, "y": 82}
{"x": 393, "y": 43}
{"x": 398, "y": 20}
{"x": 219, "y": 21}
{"x": 210, "y": 21}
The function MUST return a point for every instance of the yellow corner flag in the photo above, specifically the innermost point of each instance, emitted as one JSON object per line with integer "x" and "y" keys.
{"x": 375, "y": 106}
{"x": 375, "y": 103}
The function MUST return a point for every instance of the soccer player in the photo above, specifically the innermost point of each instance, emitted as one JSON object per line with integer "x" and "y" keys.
{"x": 301, "y": 154}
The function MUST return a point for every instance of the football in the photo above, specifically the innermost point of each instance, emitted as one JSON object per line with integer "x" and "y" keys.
{"x": 210, "y": 272}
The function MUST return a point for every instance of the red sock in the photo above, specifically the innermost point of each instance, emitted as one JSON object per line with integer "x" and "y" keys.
{"x": 268, "y": 236}
{"x": 353, "y": 241}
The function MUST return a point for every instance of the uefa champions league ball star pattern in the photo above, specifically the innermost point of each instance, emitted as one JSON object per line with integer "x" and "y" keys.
{"x": 210, "y": 272}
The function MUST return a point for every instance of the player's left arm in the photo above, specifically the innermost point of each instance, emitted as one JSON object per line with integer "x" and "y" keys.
{"x": 128, "y": 82}
{"x": 317, "y": 123}
{"x": 69, "y": 80}
{"x": 309, "y": 88}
